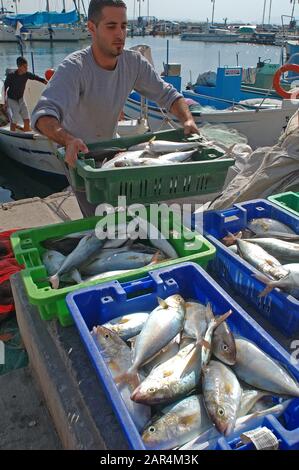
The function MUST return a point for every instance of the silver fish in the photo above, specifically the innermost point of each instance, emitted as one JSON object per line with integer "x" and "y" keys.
{"x": 249, "y": 398}
{"x": 81, "y": 255}
{"x": 263, "y": 225}
{"x": 259, "y": 370}
{"x": 162, "y": 325}
{"x": 99, "y": 277}
{"x": 207, "y": 340}
{"x": 53, "y": 260}
{"x": 208, "y": 439}
{"x": 283, "y": 250}
{"x": 176, "y": 157}
{"x": 222, "y": 395}
{"x": 125, "y": 158}
{"x": 170, "y": 350}
{"x": 118, "y": 358}
{"x": 179, "y": 424}
{"x": 127, "y": 326}
{"x": 161, "y": 146}
{"x": 261, "y": 260}
{"x": 119, "y": 261}
{"x": 289, "y": 283}
{"x": 223, "y": 344}
{"x": 157, "y": 239}
{"x": 196, "y": 320}
{"x": 172, "y": 379}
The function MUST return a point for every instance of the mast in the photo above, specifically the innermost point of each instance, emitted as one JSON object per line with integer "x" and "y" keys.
{"x": 2, "y": 7}
{"x": 264, "y": 12}
{"x": 63, "y": 6}
{"x": 47, "y": 6}
{"x": 213, "y": 11}
{"x": 270, "y": 9}
{"x": 293, "y": 8}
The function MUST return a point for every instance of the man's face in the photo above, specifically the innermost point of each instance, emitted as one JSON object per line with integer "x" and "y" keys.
{"x": 23, "y": 68}
{"x": 110, "y": 33}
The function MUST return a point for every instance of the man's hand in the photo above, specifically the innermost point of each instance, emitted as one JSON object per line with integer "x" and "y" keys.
{"x": 72, "y": 148}
{"x": 190, "y": 127}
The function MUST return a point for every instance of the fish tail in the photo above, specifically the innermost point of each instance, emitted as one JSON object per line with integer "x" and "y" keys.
{"x": 222, "y": 318}
{"x": 156, "y": 258}
{"x": 54, "y": 280}
{"x": 130, "y": 378}
{"x": 270, "y": 285}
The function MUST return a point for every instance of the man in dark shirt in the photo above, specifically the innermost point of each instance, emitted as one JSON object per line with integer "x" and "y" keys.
{"x": 14, "y": 87}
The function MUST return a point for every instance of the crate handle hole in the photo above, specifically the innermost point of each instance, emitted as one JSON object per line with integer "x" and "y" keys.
{"x": 106, "y": 300}
{"x": 46, "y": 289}
{"x": 231, "y": 218}
{"x": 260, "y": 209}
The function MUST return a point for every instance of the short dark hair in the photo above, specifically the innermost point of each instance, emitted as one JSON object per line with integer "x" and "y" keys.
{"x": 21, "y": 61}
{"x": 96, "y": 7}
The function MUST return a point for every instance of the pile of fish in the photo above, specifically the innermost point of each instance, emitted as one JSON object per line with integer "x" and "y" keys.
{"x": 176, "y": 395}
{"x": 273, "y": 249}
{"x": 82, "y": 257}
{"x": 153, "y": 152}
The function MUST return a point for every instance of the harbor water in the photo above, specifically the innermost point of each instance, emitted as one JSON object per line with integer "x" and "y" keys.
{"x": 195, "y": 57}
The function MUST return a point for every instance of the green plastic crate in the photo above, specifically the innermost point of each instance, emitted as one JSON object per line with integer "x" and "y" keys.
{"x": 205, "y": 174}
{"x": 288, "y": 201}
{"x": 50, "y": 302}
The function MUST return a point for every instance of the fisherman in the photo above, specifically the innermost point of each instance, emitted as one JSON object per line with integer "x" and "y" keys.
{"x": 14, "y": 87}
{"x": 85, "y": 97}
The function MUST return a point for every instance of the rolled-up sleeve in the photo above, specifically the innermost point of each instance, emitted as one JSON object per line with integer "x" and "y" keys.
{"x": 61, "y": 95}
{"x": 151, "y": 85}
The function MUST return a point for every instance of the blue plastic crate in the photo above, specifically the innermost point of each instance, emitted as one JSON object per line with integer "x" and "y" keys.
{"x": 279, "y": 308}
{"x": 98, "y": 304}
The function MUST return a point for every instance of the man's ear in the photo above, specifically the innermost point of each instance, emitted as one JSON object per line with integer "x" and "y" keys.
{"x": 91, "y": 26}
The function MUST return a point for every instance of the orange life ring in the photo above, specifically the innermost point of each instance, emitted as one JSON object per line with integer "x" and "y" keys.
{"x": 276, "y": 81}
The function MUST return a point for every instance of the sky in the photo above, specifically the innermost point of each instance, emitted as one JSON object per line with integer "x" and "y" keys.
{"x": 195, "y": 10}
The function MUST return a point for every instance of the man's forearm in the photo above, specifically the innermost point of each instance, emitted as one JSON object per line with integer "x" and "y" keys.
{"x": 180, "y": 109}
{"x": 51, "y": 128}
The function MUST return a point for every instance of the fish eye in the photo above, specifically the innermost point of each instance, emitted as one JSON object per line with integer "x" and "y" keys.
{"x": 221, "y": 412}
{"x": 152, "y": 429}
{"x": 225, "y": 347}
{"x": 106, "y": 336}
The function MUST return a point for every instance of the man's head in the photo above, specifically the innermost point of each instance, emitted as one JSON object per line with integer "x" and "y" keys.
{"x": 107, "y": 22}
{"x": 22, "y": 65}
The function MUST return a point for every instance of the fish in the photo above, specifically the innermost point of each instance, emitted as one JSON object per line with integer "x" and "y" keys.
{"x": 163, "y": 324}
{"x": 117, "y": 356}
{"x": 53, "y": 260}
{"x": 209, "y": 438}
{"x": 161, "y": 146}
{"x": 176, "y": 157}
{"x": 196, "y": 320}
{"x": 261, "y": 260}
{"x": 223, "y": 344}
{"x": 170, "y": 350}
{"x": 263, "y": 225}
{"x": 207, "y": 340}
{"x": 81, "y": 255}
{"x": 127, "y": 326}
{"x": 99, "y": 277}
{"x": 153, "y": 234}
{"x": 289, "y": 283}
{"x": 180, "y": 423}
{"x": 259, "y": 370}
{"x": 249, "y": 399}
{"x": 120, "y": 261}
{"x": 222, "y": 395}
{"x": 284, "y": 251}
{"x": 172, "y": 379}
{"x": 125, "y": 158}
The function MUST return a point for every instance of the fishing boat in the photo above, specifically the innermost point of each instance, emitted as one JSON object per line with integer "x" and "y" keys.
{"x": 35, "y": 150}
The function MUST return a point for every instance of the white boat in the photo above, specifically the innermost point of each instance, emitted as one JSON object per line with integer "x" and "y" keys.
{"x": 212, "y": 35}
{"x": 261, "y": 126}
{"x": 57, "y": 33}
{"x": 8, "y": 34}
{"x": 35, "y": 150}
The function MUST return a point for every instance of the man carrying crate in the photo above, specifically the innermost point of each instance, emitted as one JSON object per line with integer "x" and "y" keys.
{"x": 85, "y": 97}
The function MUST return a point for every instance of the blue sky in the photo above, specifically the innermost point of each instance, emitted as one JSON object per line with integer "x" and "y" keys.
{"x": 244, "y": 10}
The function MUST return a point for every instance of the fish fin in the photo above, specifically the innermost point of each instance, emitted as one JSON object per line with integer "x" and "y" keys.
{"x": 162, "y": 303}
{"x": 270, "y": 285}
{"x": 156, "y": 258}
{"x": 54, "y": 280}
{"x": 209, "y": 312}
{"x": 130, "y": 378}
{"x": 230, "y": 238}
{"x": 205, "y": 343}
{"x": 76, "y": 276}
{"x": 104, "y": 161}
{"x": 193, "y": 357}
{"x": 223, "y": 317}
